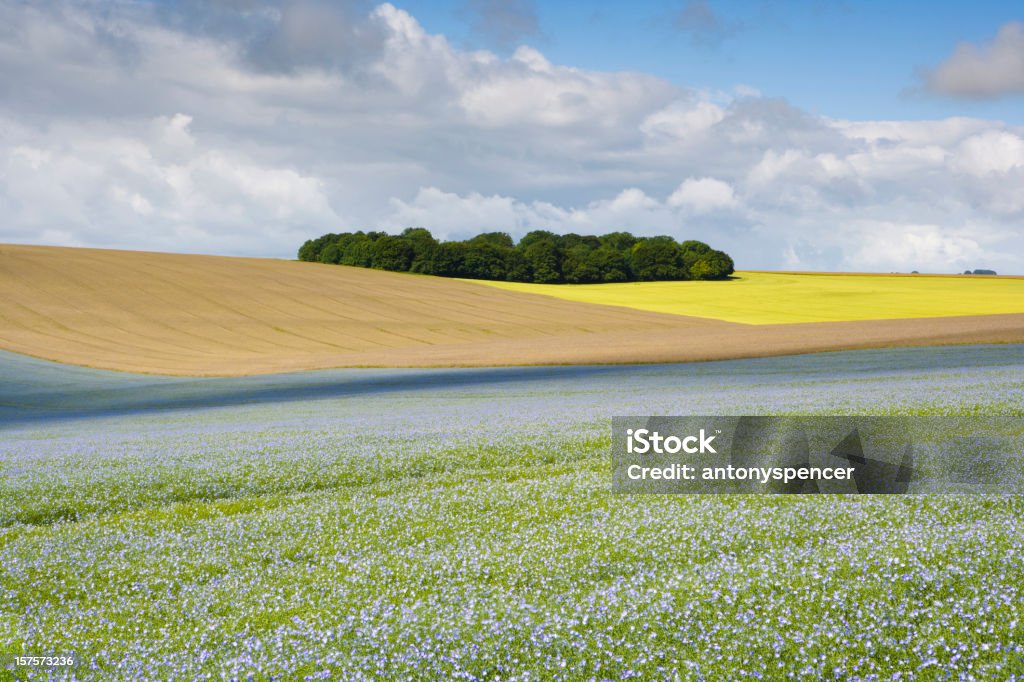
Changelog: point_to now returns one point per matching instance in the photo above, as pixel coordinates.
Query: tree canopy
(540, 256)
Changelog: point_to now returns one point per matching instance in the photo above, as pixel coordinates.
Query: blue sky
(794, 135)
(857, 60)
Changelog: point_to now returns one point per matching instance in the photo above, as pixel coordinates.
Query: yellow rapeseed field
(780, 298)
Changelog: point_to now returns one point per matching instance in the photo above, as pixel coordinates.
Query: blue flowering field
(458, 524)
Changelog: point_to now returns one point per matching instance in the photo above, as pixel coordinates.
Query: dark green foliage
(330, 254)
(618, 241)
(691, 251)
(544, 258)
(540, 256)
(393, 253)
(538, 236)
(484, 261)
(356, 249)
(657, 258)
(612, 264)
(310, 251)
(450, 259)
(424, 249)
(517, 268)
(498, 239)
(713, 265)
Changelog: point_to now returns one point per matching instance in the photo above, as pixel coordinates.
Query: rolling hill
(218, 316)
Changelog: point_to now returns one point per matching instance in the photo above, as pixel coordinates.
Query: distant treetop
(540, 256)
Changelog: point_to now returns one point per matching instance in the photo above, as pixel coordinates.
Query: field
(214, 316)
(765, 298)
(456, 523)
(180, 314)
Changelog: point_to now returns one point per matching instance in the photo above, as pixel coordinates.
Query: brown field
(208, 315)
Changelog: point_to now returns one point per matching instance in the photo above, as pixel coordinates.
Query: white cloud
(988, 71)
(632, 199)
(529, 90)
(629, 209)
(917, 133)
(131, 131)
(703, 195)
(470, 214)
(990, 152)
(774, 164)
(682, 120)
(881, 245)
(152, 192)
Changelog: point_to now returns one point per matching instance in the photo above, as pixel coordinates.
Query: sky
(798, 135)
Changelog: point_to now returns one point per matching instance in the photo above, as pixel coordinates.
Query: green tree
(612, 265)
(484, 260)
(357, 250)
(540, 256)
(578, 266)
(619, 241)
(310, 250)
(449, 259)
(713, 265)
(424, 248)
(690, 251)
(330, 254)
(537, 236)
(656, 258)
(499, 239)
(545, 261)
(573, 241)
(517, 267)
(392, 253)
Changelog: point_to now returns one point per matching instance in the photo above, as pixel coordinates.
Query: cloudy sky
(813, 135)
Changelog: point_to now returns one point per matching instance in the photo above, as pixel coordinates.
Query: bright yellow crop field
(778, 298)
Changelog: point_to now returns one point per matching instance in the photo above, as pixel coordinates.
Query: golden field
(216, 316)
(780, 298)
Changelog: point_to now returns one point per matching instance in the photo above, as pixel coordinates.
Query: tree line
(542, 257)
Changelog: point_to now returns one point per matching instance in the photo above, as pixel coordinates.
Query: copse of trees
(540, 256)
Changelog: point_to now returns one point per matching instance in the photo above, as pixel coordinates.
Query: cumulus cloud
(247, 127)
(991, 152)
(703, 195)
(882, 245)
(467, 214)
(529, 90)
(990, 70)
(682, 120)
(157, 187)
